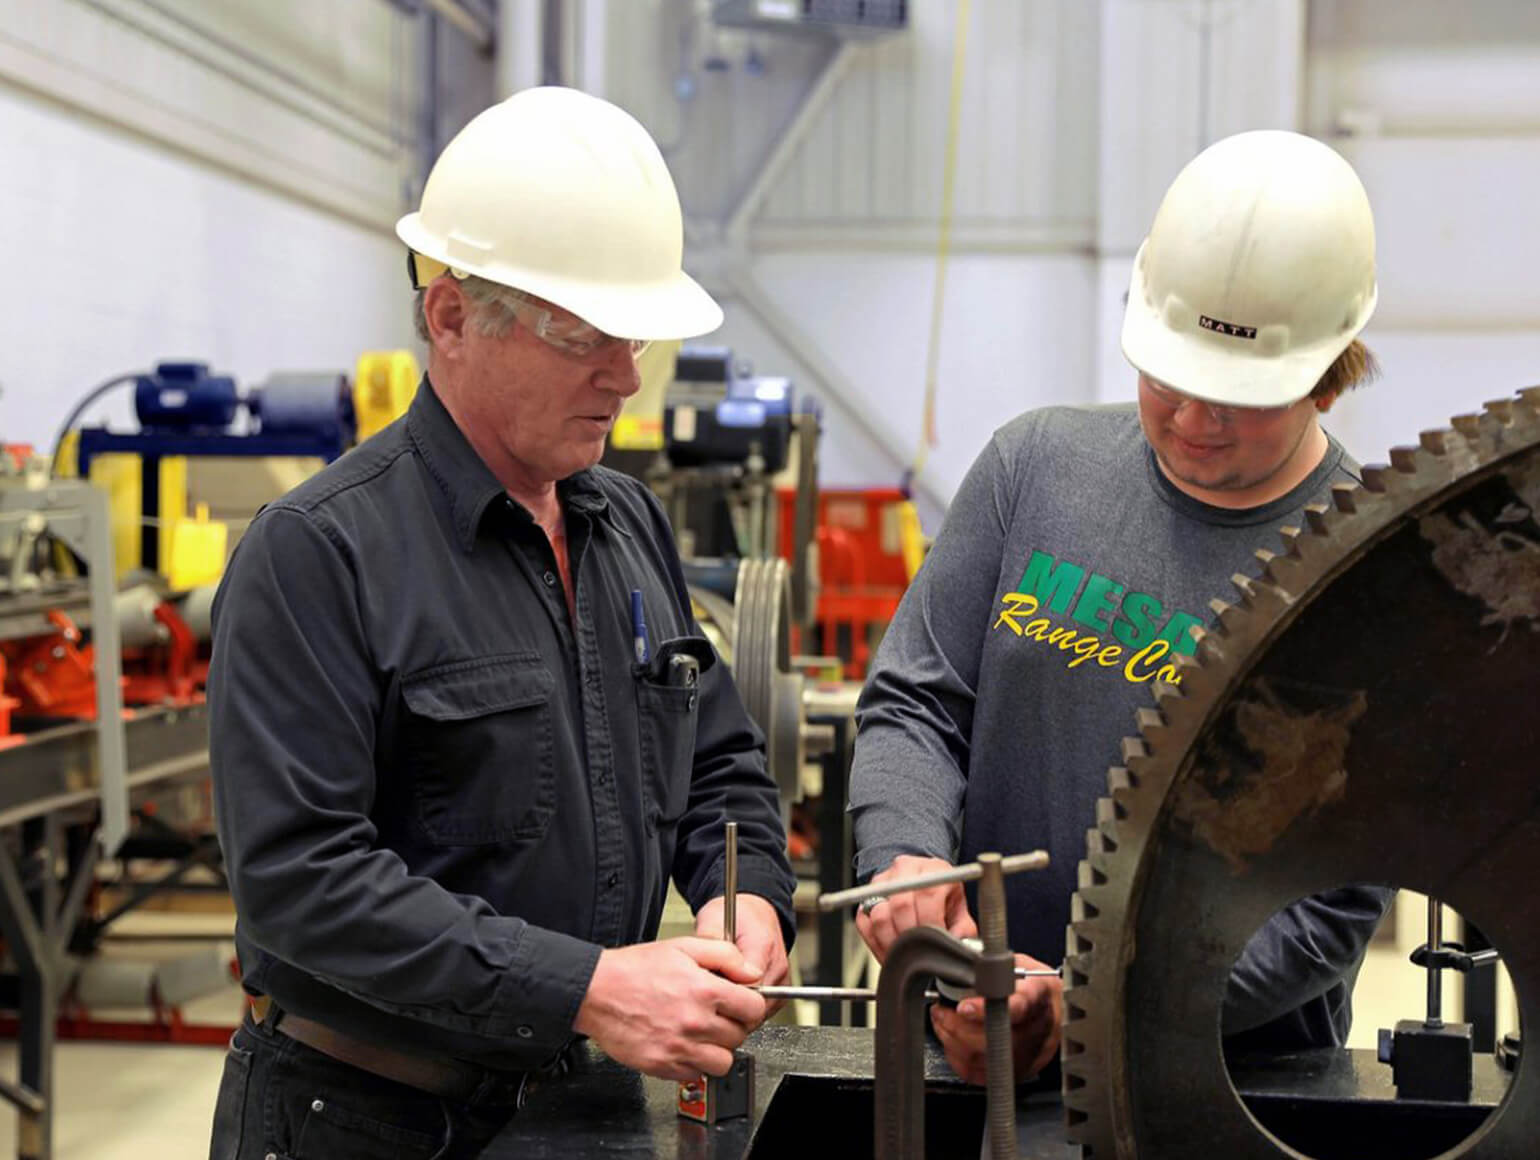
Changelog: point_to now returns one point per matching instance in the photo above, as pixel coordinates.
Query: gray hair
(491, 314)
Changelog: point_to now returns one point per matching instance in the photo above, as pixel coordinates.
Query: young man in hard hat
(1084, 545)
(464, 727)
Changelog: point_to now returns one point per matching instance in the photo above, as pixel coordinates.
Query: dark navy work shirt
(439, 795)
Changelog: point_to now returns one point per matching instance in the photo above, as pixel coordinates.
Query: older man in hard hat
(464, 727)
(1081, 549)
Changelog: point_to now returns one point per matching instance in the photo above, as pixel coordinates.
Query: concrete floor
(126, 1102)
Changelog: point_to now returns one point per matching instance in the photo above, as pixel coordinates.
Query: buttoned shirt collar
(467, 482)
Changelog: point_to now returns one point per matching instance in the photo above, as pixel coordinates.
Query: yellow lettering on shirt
(1016, 607)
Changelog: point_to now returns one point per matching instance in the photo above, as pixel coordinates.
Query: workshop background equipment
(187, 414)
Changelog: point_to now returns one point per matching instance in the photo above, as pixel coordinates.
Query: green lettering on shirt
(1100, 595)
(1139, 623)
(1053, 584)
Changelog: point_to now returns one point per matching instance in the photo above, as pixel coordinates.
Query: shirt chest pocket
(480, 750)
(668, 700)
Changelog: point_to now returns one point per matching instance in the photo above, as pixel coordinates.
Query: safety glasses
(566, 332)
(555, 327)
(1175, 399)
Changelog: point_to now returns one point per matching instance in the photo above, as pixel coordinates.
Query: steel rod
(1036, 860)
(866, 994)
(730, 893)
(1435, 975)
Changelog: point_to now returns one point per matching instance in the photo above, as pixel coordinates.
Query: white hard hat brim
(677, 307)
(1218, 368)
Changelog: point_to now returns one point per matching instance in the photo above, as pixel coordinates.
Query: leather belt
(438, 1076)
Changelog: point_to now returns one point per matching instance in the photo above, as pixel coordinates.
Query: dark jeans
(281, 1100)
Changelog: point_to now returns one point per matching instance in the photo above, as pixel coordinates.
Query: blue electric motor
(183, 396)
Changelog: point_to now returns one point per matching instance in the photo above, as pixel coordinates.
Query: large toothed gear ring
(1367, 711)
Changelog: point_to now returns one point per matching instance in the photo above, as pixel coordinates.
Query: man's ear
(1323, 402)
(447, 312)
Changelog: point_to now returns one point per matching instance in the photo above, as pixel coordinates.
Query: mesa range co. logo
(1143, 633)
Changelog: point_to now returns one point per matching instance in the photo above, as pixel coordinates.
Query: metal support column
(36, 925)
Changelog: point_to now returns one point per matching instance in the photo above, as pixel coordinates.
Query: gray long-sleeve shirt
(1067, 574)
(439, 796)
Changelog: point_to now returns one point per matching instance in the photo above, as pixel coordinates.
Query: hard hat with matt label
(1257, 273)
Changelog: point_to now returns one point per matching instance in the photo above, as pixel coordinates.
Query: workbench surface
(824, 1076)
(603, 1109)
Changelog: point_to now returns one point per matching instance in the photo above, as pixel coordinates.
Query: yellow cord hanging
(928, 437)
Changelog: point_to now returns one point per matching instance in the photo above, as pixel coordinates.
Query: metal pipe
(867, 994)
(730, 892)
(795, 134)
(1036, 860)
(478, 31)
(552, 39)
(427, 132)
(1435, 974)
(477, 25)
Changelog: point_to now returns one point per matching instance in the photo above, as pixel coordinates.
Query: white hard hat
(565, 196)
(1258, 272)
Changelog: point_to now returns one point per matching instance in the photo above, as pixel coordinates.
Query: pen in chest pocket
(638, 628)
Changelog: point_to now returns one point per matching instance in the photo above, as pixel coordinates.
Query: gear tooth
(1245, 585)
(1192, 680)
(1100, 842)
(1196, 681)
(1404, 459)
(1108, 814)
(1291, 538)
(1317, 520)
(1437, 441)
(1283, 571)
(1344, 496)
(1467, 425)
(1082, 909)
(1376, 477)
(1502, 408)
(1077, 953)
(1088, 877)
(1183, 661)
(1268, 600)
(1119, 780)
(1227, 617)
(1210, 650)
(1531, 397)
(1152, 727)
(1134, 748)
